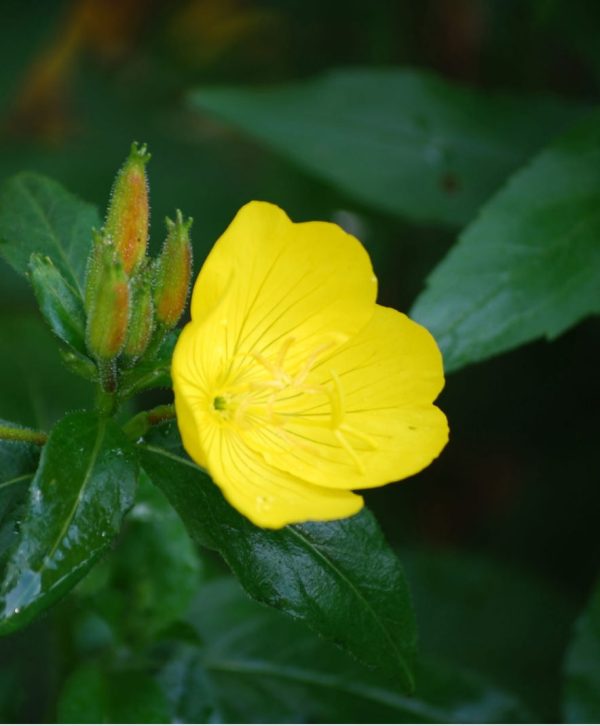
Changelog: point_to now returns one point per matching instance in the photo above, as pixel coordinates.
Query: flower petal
(187, 386)
(267, 496)
(274, 281)
(384, 380)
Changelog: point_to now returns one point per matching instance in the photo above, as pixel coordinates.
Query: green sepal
(59, 302)
(79, 364)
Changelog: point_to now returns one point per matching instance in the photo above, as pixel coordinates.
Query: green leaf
(83, 486)
(61, 305)
(91, 695)
(18, 464)
(255, 665)
(529, 265)
(505, 624)
(35, 387)
(581, 703)
(155, 571)
(38, 215)
(402, 141)
(339, 577)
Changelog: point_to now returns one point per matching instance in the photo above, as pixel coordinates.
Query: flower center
(269, 393)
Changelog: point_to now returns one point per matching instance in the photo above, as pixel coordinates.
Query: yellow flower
(292, 386)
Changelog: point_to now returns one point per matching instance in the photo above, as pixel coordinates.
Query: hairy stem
(15, 433)
(142, 422)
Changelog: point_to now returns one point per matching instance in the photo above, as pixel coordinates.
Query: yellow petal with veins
(366, 415)
(292, 386)
(269, 497)
(272, 279)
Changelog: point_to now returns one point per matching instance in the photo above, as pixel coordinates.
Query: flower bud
(141, 319)
(108, 312)
(128, 210)
(173, 270)
(103, 252)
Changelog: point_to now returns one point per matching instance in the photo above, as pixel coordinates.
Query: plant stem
(15, 433)
(108, 375)
(142, 422)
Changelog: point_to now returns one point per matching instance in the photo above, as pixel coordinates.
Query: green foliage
(18, 464)
(75, 507)
(157, 571)
(582, 667)
(38, 215)
(502, 623)
(60, 305)
(93, 696)
(35, 386)
(310, 571)
(94, 517)
(529, 265)
(401, 141)
(256, 662)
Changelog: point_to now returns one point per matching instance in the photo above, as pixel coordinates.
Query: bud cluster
(131, 300)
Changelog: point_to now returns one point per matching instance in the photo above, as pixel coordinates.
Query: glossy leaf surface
(18, 464)
(83, 486)
(339, 577)
(402, 141)
(39, 215)
(529, 265)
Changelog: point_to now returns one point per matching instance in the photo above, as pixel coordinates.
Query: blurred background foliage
(499, 537)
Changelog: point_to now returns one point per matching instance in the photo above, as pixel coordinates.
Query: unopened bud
(103, 252)
(141, 319)
(128, 210)
(173, 272)
(108, 312)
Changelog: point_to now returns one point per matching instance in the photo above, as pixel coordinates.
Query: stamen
(364, 438)
(337, 401)
(348, 447)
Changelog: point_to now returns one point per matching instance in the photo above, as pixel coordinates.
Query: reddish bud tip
(127, 218)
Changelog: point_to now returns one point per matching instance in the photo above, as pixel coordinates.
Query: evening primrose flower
(292, 386)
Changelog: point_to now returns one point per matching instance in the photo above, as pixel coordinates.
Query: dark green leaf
(92, 695)
(60, 304)
(505, 624)
(155, 569)
(529, 265)
(35, 386)
(38, 215)
(582, 667)
(256, 665)
(18, 463)
(83, 486)
(339, 577)
(403, 141)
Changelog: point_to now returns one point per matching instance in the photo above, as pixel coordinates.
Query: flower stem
(15, 433)
(142, 422)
